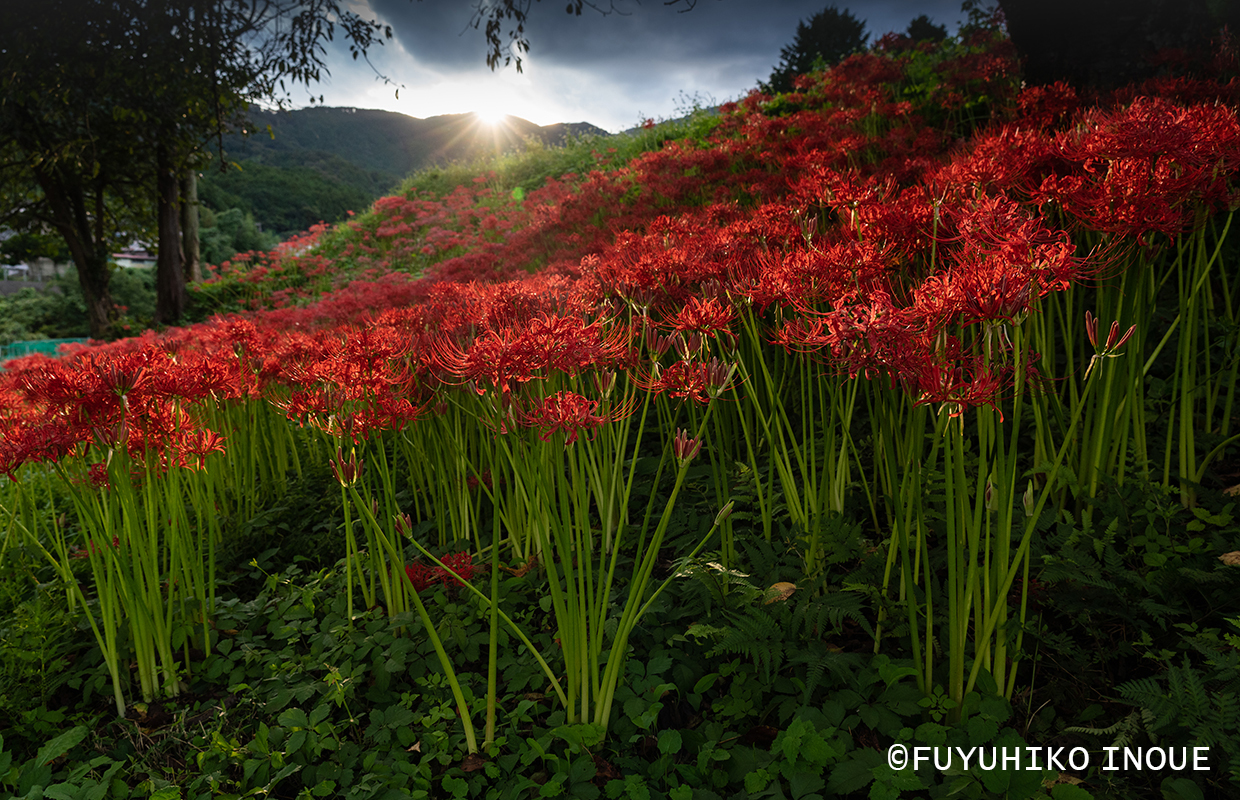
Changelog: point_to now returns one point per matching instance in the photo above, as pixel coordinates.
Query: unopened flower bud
(686, 449)
(719, 376)
(347, 471)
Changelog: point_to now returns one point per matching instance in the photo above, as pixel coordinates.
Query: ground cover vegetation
(894, 410)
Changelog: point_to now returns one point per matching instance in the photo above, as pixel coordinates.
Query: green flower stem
(471, 742)
(993, 613)
(634, 608)
(495, 609)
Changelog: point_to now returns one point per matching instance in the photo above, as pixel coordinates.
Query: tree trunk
(169, 269)
(189, 226)
(84, 236)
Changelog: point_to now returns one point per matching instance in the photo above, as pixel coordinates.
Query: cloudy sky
(646, 59)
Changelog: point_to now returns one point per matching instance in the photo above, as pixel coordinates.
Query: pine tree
(822, 41)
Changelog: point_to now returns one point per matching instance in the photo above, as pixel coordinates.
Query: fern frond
(833, 608)
(755, 635)
(823, 659)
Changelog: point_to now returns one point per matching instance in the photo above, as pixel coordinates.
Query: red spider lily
(1046, 106)
(955, 386)
(421, 576)
(709, 317)
(656, 344)
(567, 412)
(683, 379)
(424, 576)
(1147, 167)
(687, 344)
(196, 446)
(97, 475)
(548, 344)
(719, 376)
(121, 379)
(90, 550)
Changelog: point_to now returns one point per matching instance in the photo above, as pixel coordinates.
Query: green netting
(46, 346)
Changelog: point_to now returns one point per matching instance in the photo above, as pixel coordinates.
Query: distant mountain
(299, 167)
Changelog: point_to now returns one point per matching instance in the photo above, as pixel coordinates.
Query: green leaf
(167, 793)
(804, 782)
(635, 788)
(705, 682)
(980, 729)
(756, 781)
(295, 741)
(669, 742)
(933, 733)
(1179, 789)
(855, 773)
(1024, 783)
(582, 734)
(319, 714)
(582, 770)
(891, 673)
(293, 718)
(681, 792)
(60, 745)
(1066, 791)
(657, 666)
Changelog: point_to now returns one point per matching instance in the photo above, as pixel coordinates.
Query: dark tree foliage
(825, 39)
(1107, 43)
(289, 199)
(74, 159)
(923, 29)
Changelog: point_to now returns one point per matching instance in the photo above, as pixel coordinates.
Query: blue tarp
(45, 346)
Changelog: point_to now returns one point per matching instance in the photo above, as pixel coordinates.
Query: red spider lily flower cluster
(424, 576)
(566, 412)
(852, 228)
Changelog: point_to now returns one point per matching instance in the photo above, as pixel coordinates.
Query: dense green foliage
(227, 233)
(287, 200)
(57, 310)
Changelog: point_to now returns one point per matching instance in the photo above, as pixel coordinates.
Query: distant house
(134, 256)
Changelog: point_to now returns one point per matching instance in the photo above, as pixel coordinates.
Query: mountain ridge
(391, 142)
(293, 169)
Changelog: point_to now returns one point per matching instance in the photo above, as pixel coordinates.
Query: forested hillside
(291, 170)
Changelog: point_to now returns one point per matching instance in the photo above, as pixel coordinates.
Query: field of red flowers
(961, 355)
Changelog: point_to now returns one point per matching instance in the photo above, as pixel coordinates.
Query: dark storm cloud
(643, 60)
(713, 36)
